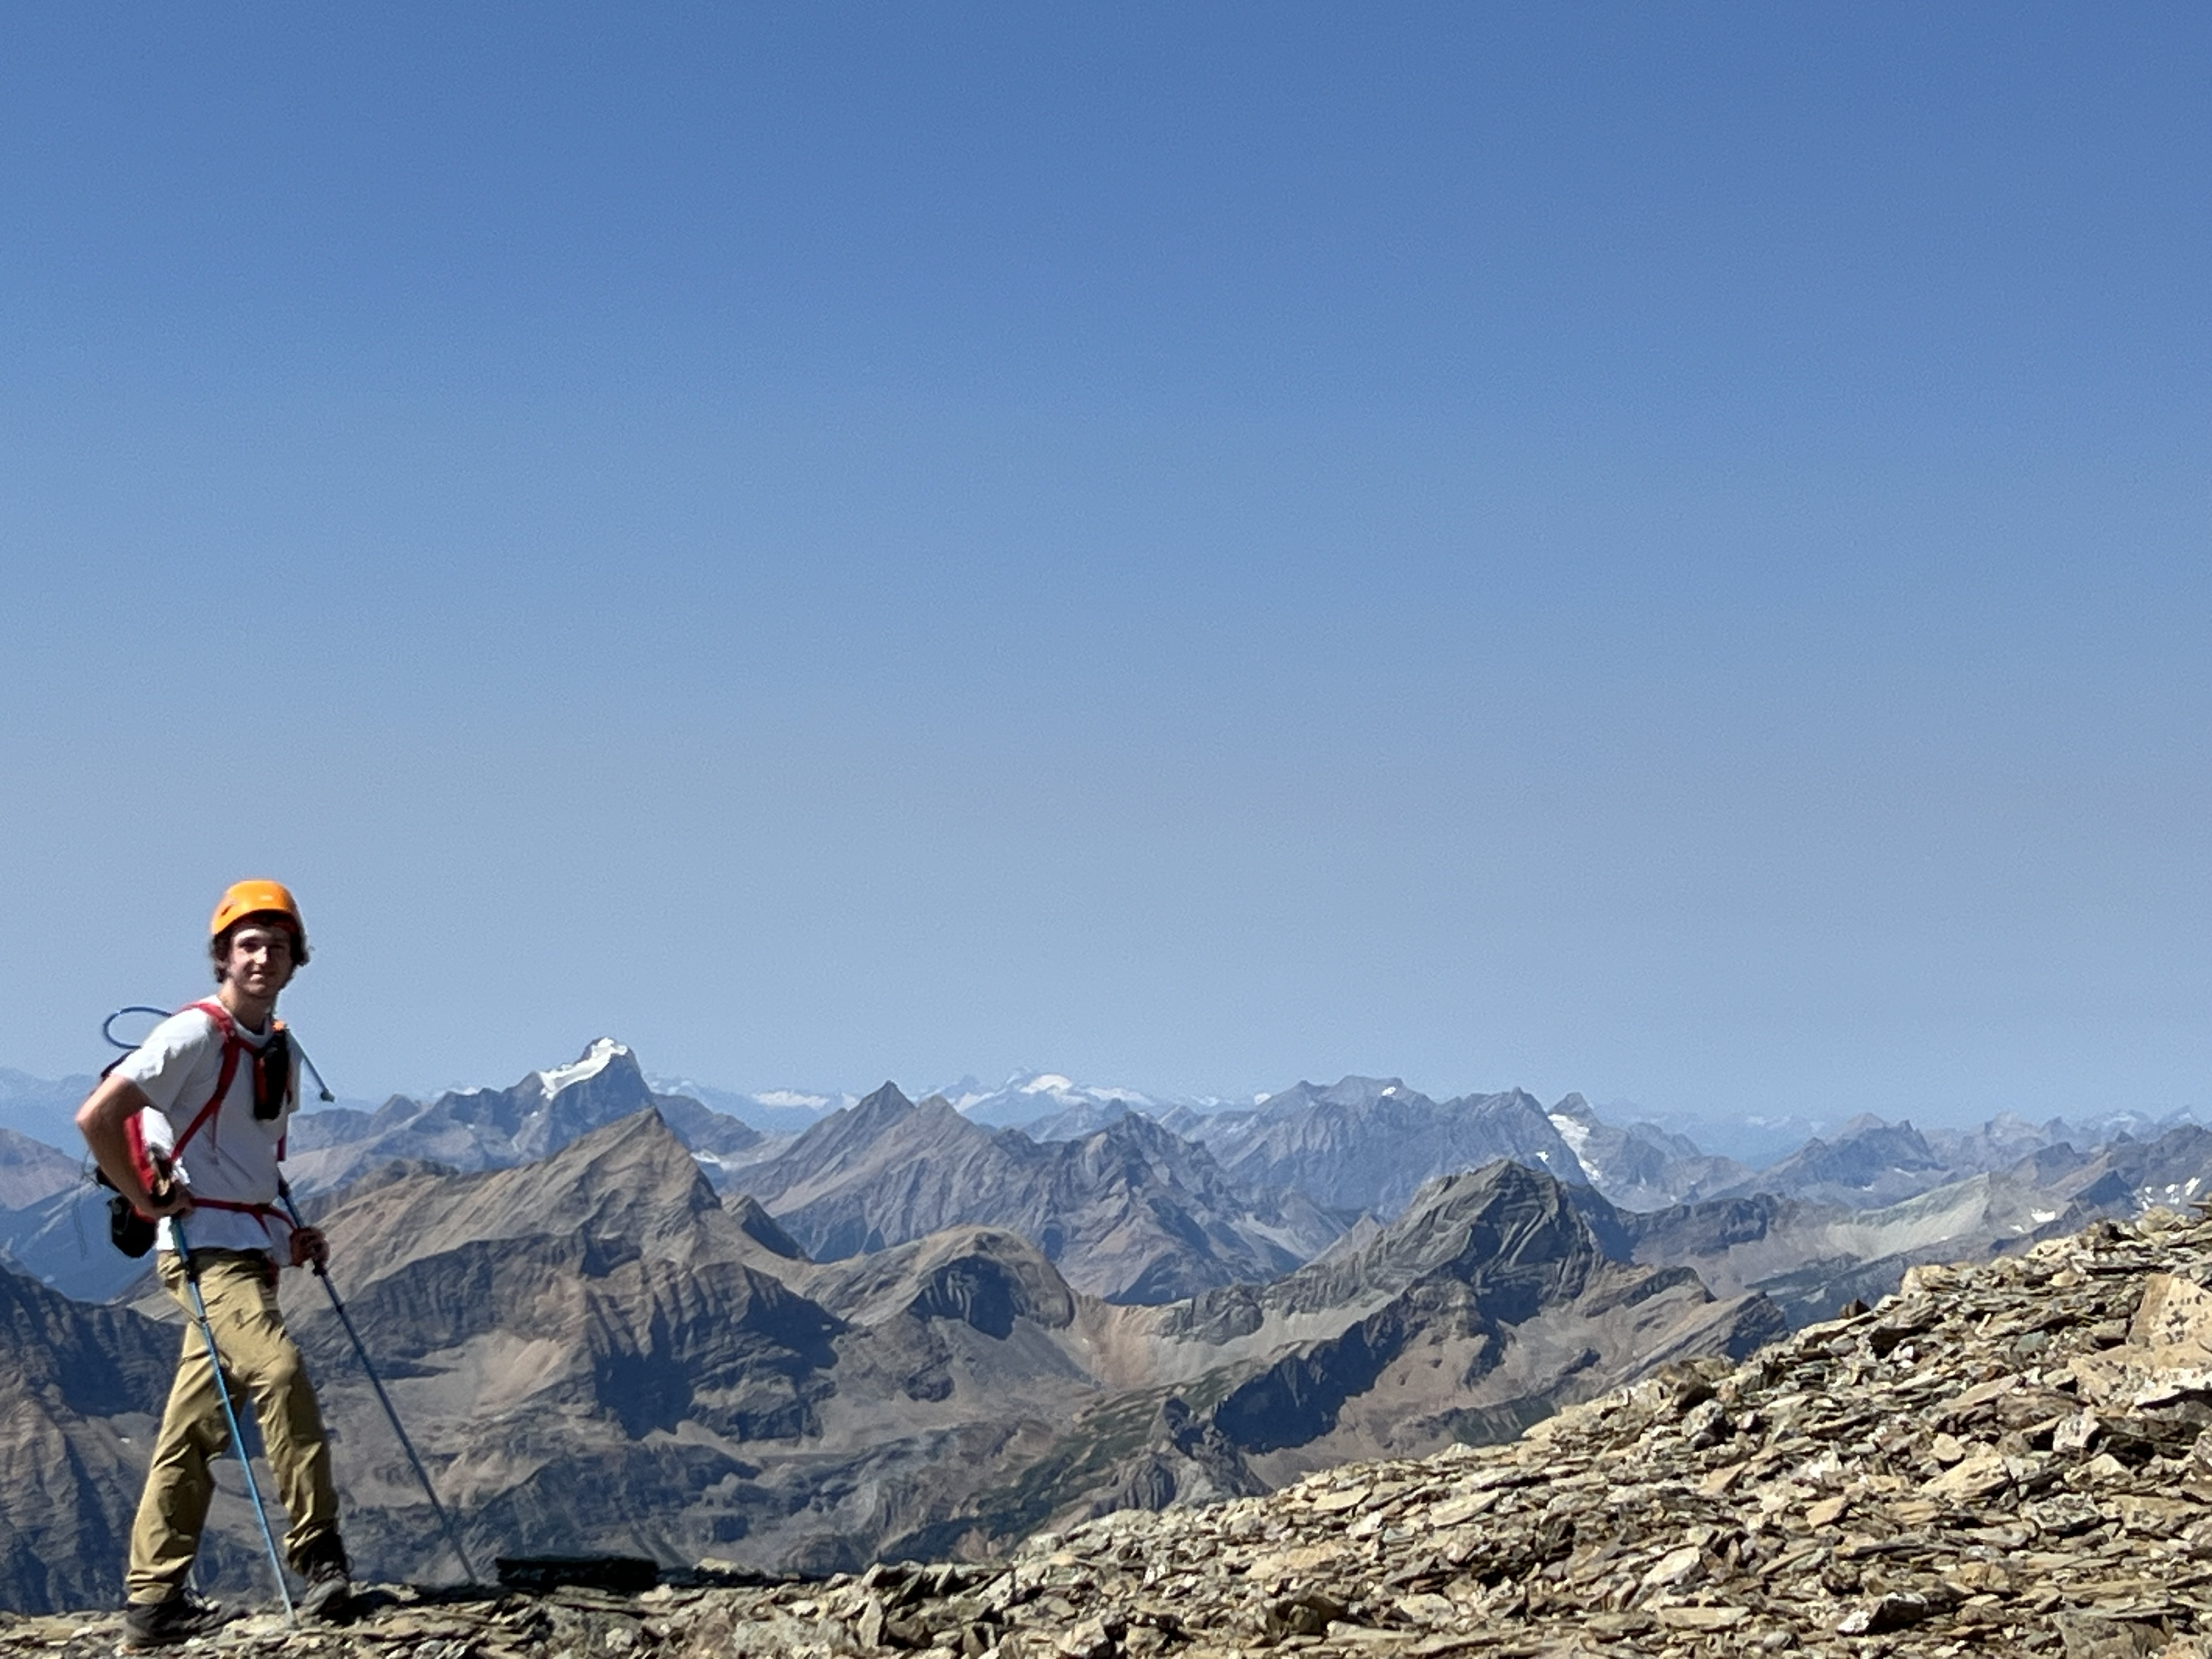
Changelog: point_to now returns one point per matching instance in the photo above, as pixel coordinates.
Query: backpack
(128, 1230)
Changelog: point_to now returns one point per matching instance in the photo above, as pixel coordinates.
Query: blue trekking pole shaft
(361, 1352)
(230, 1413)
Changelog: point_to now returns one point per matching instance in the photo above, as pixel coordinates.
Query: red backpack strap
(134, 1137)
(233, 1046)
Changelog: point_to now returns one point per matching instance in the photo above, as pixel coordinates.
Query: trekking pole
(230, 1414)
(361, 1351)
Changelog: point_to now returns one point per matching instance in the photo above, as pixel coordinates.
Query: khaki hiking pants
(264, 1369)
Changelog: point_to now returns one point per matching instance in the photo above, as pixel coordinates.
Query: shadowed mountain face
(1130, 1212)
(80, 1388)
(1488, 1304)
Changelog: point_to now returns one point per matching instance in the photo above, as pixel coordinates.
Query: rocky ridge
(1368, 1143)
(1130, 1212)
(496, 1128)
(2012, 1457)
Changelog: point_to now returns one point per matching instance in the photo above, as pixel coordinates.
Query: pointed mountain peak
(1504, 1218)
(630, 1182)
(633, 1158)
(885, 1105)
(599, 1055)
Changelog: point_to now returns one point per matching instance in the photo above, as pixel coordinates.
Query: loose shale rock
(2006, 1458)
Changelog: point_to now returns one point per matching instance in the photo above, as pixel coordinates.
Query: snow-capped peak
(1028, 1096)
(589, 1064)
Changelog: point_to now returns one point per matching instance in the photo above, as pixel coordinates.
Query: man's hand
(166, 1199)
(309, 1244)
(102, 1120)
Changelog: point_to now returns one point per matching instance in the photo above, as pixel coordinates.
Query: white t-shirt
(234, 1156)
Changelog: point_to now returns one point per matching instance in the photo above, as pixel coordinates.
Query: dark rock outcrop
(77, 1385)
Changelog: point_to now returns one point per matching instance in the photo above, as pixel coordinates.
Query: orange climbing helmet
(242, 899)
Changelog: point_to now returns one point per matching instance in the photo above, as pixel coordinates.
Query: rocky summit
(2012, 1457)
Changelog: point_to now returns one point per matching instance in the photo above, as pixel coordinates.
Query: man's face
(260, 960)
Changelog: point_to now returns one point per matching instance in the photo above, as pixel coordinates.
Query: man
(189, 1128)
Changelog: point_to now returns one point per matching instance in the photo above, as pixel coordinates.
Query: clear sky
(1656, 551)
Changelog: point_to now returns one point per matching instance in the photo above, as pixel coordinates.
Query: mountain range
(1155, 1200)
(489, 1129)
(1130, 1211)
(617, 1317)
(598, 1350)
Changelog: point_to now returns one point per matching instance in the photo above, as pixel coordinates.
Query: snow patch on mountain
(603, 1052)
(1027, 1096)
(1577, 1134)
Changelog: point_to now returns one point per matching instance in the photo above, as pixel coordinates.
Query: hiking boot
(323, 1563)
(163, 1624)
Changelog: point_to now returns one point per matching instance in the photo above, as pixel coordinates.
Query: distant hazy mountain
(1368, 1143)
(1753, 1140)
(772, 1111)
(1811, 1256)
(1087, 1117)
(31, 1169)
(489, 1129)
(1027, 1097)
(1129, 1212)
(45, 1109)
(1869, 1163)
(1639, 1166)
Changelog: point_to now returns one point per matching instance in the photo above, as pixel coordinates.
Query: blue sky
(1653, 551)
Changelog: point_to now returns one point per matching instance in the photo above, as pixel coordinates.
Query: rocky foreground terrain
(2012, 1457)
